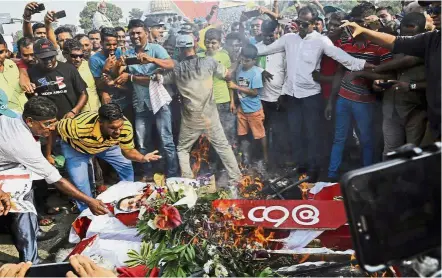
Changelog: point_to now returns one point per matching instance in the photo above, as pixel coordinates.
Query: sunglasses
(75, 56)
(433, 10)
(302, 24)
(48, 124)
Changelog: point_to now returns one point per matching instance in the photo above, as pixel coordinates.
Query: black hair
(78, 37)
(2, 41)
(234, 36)
(63, 29)
(308, 10)
(180, 17)
(387, 8)
(71, 44)
(363, 10)
(37, 25)
(169, 19)
(339, 16)
(108, 32)
(320, 19)
(416, 19)
(41, 107)
(93, 32)
(110, 112)
(249, 51)
(23, 42)
(213, 34)
(118, 29)
(134, 23)
(269, 26)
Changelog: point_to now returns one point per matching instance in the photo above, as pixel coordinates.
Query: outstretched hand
(357, 30)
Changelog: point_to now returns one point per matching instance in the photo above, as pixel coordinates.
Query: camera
(394, 208)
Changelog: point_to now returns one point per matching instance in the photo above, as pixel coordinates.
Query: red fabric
(328, 68)
(81, 225)
(79, 248)
(20, 64)
(138, 271)
(327, 193)
(194, 9)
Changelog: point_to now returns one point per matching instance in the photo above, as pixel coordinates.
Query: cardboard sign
(288, 214)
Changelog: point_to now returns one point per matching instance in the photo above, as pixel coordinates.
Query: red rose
(168, 218)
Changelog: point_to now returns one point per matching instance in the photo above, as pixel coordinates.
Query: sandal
(53, 210)
(45, 221)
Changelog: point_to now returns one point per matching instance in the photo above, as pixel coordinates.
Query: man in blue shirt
(104, 64)
(152, 57)
(250, 112)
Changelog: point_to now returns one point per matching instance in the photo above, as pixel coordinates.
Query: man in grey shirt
(18, 145)
(194, 79)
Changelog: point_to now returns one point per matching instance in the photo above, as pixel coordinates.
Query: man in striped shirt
(355, 97)
(107, 135)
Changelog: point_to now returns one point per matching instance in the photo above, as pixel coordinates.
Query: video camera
(394, 210)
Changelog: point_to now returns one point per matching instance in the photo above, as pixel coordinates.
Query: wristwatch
(412, 86)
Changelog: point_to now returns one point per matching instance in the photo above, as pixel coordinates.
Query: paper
(18, 182)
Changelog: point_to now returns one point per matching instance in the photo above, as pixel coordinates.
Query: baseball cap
(149, 22)
(331, 9)
(186, 29)
(43, 48)
(184, 41)
(4, 106)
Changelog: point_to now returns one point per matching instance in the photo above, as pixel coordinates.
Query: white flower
(142, 212)
(151, 224)
(208, 266)
(206, 276)
(211, 250)
(221, 271)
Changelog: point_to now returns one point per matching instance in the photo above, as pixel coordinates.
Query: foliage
(18, 35)
(135, 13)
(114, 13)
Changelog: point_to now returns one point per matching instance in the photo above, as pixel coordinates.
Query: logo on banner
(305, 215)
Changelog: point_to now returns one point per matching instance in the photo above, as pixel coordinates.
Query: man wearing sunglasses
(18, 145)
(426, 46)
(304, 102)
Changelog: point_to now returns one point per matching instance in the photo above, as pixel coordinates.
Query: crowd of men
(292, 90)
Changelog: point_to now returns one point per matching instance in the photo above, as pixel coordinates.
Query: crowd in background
(305, 91)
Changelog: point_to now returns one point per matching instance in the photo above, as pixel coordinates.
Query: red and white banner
(289, 214)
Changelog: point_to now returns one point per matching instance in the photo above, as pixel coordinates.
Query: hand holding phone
(251, 14)
(132, 61)
(60, 14)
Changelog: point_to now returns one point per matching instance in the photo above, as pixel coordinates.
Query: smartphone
(132, 61)
(386, 85)
(41, 7)
(251, 14)
(50, 270)
(60, 14)
(394, 209)
(348, 31)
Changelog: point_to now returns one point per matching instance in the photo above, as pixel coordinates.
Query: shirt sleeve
(161, 53)
(169, 77)
(78, 83)
(341, 56)
(67, 128)
(413, 46)
(95, 66)
(127, 142)
(277, 46)
(257, 80)
(384, 55)
(27, 152)
(21, 64)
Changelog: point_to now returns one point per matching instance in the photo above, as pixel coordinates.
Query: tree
(18, 35)
(135, 13)
(114, 13)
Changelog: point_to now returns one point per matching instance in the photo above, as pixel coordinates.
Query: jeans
(363, 115)
(23, 228)
(306, 114)
(77, 167)
(144, 139)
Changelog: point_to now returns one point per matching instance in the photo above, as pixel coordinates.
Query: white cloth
(276, 65)
(100, 20)
(303, 57)
(17, 145)
(158, 95)
(319, 186)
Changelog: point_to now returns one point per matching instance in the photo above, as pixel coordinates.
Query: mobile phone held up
(251, 14)
(60, 14)
(50, 270)
(394, 207)
(41, 7)
(132, 61)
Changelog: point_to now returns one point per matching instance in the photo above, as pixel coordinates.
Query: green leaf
(267, 272)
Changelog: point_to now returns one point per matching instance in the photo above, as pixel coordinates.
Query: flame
(304, 187)
(200, 153)
(249, 187)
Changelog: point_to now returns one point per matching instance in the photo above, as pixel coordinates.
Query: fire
(200, 153)
(304, 187)
(249, 187)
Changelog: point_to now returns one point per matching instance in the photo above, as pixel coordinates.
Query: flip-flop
(46, 221)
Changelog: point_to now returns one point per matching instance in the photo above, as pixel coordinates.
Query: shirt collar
(96, 132)
(191, 57)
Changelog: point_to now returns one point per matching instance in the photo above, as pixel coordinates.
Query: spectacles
(48, 124)
(302, 24)
(433, 10)
(75, 56)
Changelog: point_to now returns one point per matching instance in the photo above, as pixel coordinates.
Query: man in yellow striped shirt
(107, 135)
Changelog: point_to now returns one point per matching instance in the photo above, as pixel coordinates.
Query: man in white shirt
(275, 120)
(100, 19)
(18, 145)
(305, 104)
